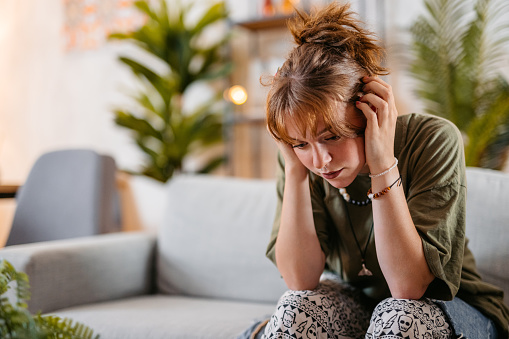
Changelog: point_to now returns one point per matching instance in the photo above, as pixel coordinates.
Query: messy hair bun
(323, 73)
(336, 27)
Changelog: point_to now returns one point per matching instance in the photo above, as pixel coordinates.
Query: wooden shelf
(8, 191)
(265, 23)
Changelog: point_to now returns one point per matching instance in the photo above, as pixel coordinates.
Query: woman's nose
(321, 157)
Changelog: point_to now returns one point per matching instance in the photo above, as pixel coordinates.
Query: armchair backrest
(68, 194)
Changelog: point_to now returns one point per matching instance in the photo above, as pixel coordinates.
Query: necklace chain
(364, 271)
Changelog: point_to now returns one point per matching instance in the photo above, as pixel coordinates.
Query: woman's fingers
(288, 153)
(368, 79)
(379, 97)
(374, 107)
(369, 113)
(378, 87)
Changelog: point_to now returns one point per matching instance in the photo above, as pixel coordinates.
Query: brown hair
(323, 72)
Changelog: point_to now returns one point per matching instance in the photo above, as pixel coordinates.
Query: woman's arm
(299, 256)
(398, 244)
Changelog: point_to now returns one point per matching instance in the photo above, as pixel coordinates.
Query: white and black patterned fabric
(404, 318)
(335, 310)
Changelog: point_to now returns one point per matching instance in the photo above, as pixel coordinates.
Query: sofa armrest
(67, 273)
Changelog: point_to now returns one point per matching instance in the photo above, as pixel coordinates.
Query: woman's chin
(339, 182)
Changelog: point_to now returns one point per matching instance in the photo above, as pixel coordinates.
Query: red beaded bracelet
(384, 191)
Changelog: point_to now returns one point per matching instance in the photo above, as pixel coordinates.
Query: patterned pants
(334, 310)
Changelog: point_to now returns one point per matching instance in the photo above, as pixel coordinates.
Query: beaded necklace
(346, 197)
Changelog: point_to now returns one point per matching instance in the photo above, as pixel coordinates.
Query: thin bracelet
(386, 171)
(384, 191)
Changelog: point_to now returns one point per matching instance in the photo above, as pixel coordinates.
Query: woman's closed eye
(333, 138)
(299, 145)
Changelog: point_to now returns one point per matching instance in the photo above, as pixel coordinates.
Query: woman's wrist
(380, 183)
(296, 171)
(382, 167)
(384, 172)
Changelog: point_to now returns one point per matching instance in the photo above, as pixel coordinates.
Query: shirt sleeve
(320, 215)
(436, 197)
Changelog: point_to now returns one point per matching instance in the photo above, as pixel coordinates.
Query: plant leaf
(483, 130)
(456, 50)
(140, 126)
(215, 13)
(160, 128)
(213, 164)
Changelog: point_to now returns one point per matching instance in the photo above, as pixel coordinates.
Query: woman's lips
(331, 175)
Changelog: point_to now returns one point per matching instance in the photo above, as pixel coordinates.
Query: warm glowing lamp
(237, 94)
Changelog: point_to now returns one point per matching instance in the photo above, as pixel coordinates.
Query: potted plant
(17, 323)
(457, 47)
(160, 125)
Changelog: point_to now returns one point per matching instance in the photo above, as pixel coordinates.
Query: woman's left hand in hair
(379, 107)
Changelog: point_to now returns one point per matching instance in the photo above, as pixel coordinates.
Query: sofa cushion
(148, 196)
(162, 317)
(213, 239)
(487, 224)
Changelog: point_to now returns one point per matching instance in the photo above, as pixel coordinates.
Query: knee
(391, 313)
(410, 318)
(297, 298)
(290, 315)
(400, 305)
(322, 292)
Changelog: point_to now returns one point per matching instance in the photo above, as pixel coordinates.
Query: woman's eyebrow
(323, 131)
(297, 141)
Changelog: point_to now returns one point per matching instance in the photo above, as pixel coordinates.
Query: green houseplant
(161, 127)
(17, 322)
(457, 47)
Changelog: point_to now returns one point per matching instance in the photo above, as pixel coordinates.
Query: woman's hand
(379, 107)
(292, 162)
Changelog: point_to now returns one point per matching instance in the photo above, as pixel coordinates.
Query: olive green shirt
(432, 168)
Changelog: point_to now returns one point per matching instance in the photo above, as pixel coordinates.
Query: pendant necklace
(364, 271)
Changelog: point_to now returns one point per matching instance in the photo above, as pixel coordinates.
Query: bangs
(284, 109)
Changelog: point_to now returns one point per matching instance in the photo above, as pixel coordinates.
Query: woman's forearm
(398, 244)
(299, 256)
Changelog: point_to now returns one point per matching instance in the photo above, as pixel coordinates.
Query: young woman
(396, 257)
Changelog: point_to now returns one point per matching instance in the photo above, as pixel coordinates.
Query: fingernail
(357, 103)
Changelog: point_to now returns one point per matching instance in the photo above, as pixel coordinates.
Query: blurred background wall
(60, 79)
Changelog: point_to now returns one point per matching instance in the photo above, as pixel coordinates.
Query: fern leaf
(483, 130)
(457, 48)
(64, 328)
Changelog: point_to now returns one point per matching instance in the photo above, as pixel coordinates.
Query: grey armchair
(68, 194)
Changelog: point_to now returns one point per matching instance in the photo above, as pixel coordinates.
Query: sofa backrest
(488, 224)
(213, 239)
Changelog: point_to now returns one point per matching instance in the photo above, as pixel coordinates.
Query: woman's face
(338, 160)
